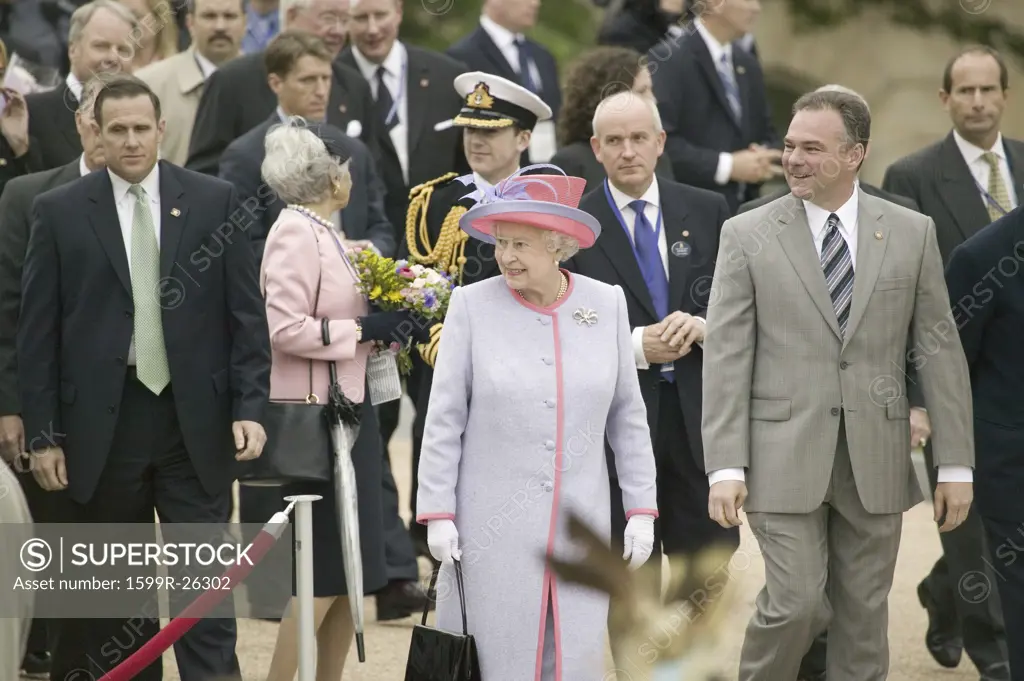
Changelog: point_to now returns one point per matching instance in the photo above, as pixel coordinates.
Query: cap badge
(480, 98)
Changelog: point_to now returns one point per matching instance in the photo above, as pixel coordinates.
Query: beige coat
(17, 617)
(178, 82)
(778, 375)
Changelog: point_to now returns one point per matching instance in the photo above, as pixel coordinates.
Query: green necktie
(150, 352)
(996, 188)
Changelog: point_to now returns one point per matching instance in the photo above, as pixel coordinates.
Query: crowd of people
(669, 315)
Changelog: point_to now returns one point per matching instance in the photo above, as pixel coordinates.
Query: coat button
(549, 361)
(844, 364)
(547, 486)
(550, 403)
(128, 313)
(110, 409)
(835, 411)
(549, 445)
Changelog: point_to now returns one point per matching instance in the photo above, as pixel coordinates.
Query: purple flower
(429, 300)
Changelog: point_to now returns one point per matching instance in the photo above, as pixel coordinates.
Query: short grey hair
(284, 6)
(297, 166)
(834, 87)
(83, 15)
(90, 89)
(851, 108)
(562, 245)
(620, 100)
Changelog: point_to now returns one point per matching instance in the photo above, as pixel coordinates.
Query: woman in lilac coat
(534, 370)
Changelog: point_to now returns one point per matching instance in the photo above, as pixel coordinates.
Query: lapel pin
(424, 82)
(686, 232)
(681, 249)
(175, 212)
(878, 235)
(740, 70)
(342, 108)
(585, 316)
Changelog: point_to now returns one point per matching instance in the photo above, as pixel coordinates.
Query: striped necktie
(838, 267)
(996, 188)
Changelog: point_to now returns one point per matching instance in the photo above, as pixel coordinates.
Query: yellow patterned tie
(150, 352)
(996, 188)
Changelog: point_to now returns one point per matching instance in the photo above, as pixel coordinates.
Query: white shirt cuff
(950, 473)
(638, 349)
(705, 323)
(724, 168)
(726, 474)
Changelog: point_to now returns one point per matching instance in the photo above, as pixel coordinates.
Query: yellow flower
(375, 292)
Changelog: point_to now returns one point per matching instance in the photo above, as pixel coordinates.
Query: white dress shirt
(717, 49)
(543, 141)
(125, 203)
(981, 170)
(817, 219)
(396, 80)
(82, 168)
(206, 67)
(75, 86)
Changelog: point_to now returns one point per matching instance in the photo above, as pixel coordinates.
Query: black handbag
(436, 655)
(298, 446)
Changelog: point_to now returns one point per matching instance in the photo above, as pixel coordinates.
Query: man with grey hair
(102, 39)
(816, 422)
(658, 242)
(15, 225)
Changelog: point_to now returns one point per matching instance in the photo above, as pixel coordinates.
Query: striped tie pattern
(838, 267)
(996, 188)
(732, 88)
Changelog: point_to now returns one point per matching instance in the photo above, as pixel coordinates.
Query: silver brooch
(585, 316)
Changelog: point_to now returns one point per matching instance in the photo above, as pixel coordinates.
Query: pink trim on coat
(549, 578)
(641, 511)
(426, 517)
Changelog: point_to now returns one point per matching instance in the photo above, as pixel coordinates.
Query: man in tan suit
(217, 28)
(813, 307)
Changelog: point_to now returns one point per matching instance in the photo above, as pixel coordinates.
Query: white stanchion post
(304, 583)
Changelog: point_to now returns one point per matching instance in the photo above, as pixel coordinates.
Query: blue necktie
(732, 88)
(524, 67)
(646, 241)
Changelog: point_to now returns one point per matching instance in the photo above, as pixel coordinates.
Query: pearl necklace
(311, 215)
(561, 289)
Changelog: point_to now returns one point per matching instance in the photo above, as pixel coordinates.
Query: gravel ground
(387, 644)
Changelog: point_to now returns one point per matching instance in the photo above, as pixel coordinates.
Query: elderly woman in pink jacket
(306, 277)
(534, 370)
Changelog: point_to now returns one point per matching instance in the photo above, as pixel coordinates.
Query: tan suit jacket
(778, 374)
(178, 82)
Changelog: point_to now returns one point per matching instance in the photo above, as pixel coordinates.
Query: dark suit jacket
(15, 225)
(12, 166)
(236, 98)
(53, 137)
(577, 159)
(685, 209)
(76, 323)
(868, 189)
(431, 99)
(987, 297)
(696, 115)
(635, 29)
(938, 180)
(362, 218)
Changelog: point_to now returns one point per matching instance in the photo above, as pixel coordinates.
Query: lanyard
(401, 92)
(989, 198)
(622, 221)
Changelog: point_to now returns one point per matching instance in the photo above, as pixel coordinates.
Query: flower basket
(382, 376)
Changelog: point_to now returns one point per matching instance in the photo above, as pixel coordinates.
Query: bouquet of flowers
(393, 285)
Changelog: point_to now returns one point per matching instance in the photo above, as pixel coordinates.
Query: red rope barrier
(203, 604)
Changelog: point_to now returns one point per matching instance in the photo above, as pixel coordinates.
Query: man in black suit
(497, 46)
(15, 226)
(139, 413)
(659, 241)
(237, 98)
(712, 99)
(417, 95)
(299, 68)
(987, 297)
(100, 40)
(964, 182)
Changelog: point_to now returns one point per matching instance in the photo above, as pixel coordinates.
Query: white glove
(638, 540)
(443, 540)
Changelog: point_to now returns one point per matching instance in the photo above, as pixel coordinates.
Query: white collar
(393, 63)
(151, 183)
(716, 48)
(83, 169)
(74, 85)
(817, 217)
(972, 152)
(206, 66)
(501, 36)
(481, 183)
(652, 196)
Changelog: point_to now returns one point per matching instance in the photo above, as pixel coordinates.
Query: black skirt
(328, 565)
